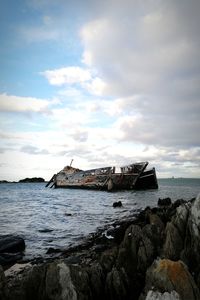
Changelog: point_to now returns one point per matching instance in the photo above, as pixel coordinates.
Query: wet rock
(53, 250)
(68, 215)
(167, 276)
(7, 259)
(117, 204)
(11, 249)
(11, 244)
(45, 230)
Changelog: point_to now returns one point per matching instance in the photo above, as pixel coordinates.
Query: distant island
(33, 179)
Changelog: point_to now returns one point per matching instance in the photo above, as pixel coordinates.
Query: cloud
(68, 75)
(11, 103)
(80, 135)
(33, 150)
(150, 61)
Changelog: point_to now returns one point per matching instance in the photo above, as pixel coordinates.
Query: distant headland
(32, 179)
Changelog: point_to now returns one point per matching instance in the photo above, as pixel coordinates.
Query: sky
(104, 83)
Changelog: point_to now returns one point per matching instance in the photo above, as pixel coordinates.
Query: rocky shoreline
(154, 255)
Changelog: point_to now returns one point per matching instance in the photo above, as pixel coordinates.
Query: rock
(17, 268)
(45, 230)
(11, 249)
(67, 214)
(154, 295)
(67, 282)
(114, 262)
(7, 259)
(145, 254)
(175, 233)
(97, 281)
(59, 282)
(27, 284)
(127, 255)
(164, 202)
(167, 276)
(108, 259)
(11, 244)
(191, 250)
(53, 250)
(173, 242)
(117, 284)
(117, 204)
(155, 220)
(2, 284)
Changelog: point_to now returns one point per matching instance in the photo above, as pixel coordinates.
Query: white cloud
(68, 75)
(96, 87)
(11, 103)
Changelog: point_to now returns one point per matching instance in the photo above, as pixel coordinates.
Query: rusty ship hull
(129, 177)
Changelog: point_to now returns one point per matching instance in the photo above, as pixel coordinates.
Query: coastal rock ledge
(153, 256)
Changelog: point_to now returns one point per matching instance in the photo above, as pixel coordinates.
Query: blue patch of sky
(25, 122)
(22, 61)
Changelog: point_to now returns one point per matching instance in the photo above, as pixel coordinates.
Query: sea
(60, 218)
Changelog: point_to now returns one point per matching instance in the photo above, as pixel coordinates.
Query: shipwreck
(134, 176)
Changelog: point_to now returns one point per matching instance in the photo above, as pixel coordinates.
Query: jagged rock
(66, 282)
(108, 259)
(127, 255)
(167, 276)
(117, 284)
(164, 202)
(155, 220)
(173, 242)
(191, 250)
(145, 254)
(97, 281)
(175, 233)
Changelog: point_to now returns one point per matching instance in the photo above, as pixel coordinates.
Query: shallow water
(60, 217)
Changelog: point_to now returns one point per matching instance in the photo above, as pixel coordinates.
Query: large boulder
(169, 276)
(11, 249)
(11, 244)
